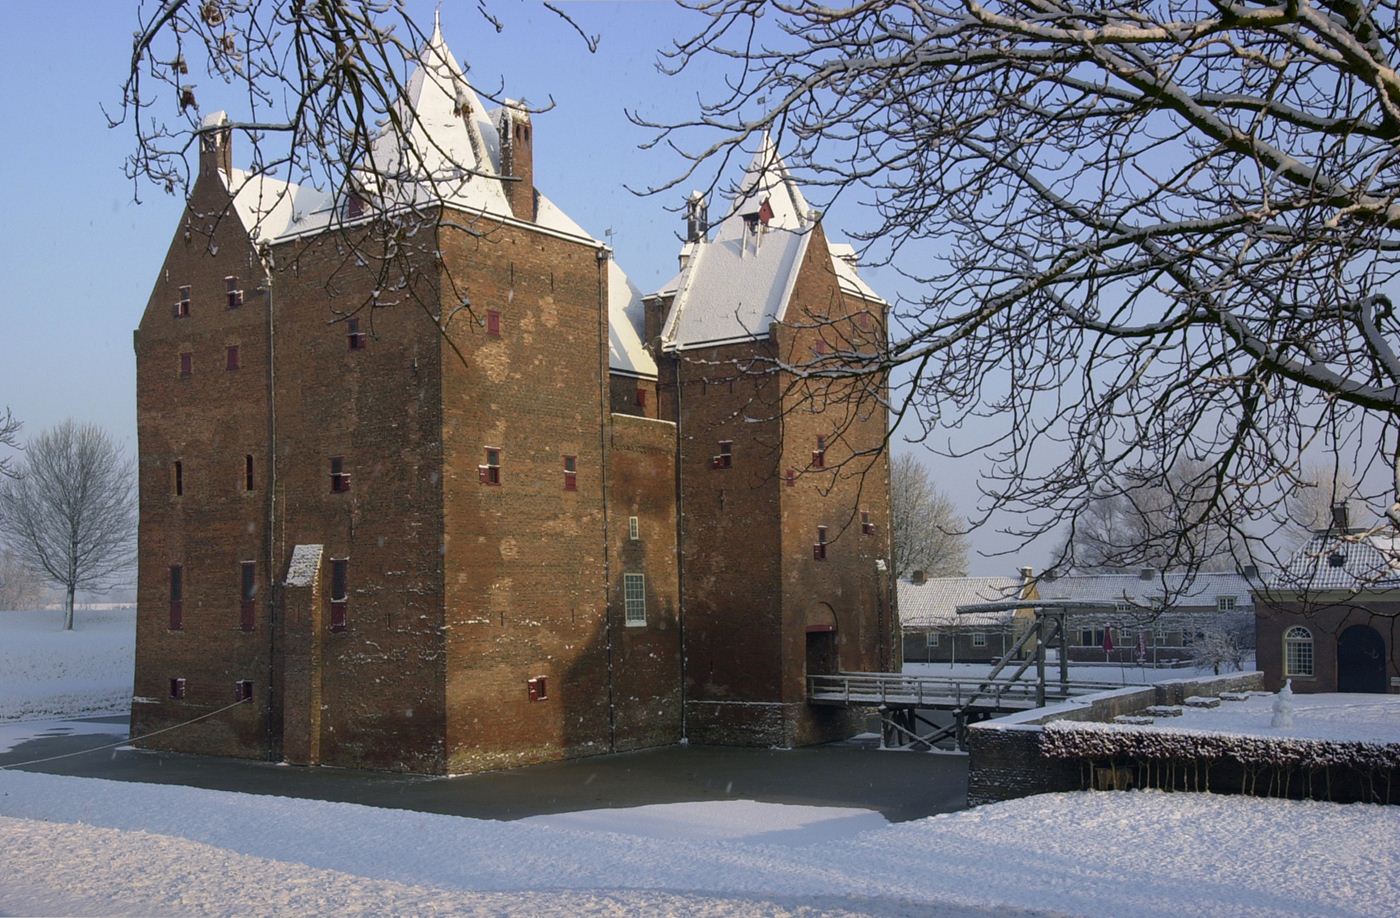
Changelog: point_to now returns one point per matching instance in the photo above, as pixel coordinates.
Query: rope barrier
(129, 740)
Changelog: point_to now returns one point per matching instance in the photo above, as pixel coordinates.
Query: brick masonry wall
(208, 421)
(1325, 618)
(845, 587)
(646, 658)
(379, 409)
(526, 594)
(623, 395)
(730, 546)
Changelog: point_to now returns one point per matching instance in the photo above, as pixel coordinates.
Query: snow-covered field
(82, 846)
(1361, 718)
(46, 672)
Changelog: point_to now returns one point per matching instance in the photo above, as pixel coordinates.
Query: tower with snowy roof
(411, 513)
(784, 488)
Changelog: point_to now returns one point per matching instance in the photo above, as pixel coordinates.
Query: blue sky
(81, 254)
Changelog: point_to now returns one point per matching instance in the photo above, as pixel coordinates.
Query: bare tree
(20, 587)
(9, 438)
(926, 535)
(1148, 520)
(1140, 234)
(1222, 645)
(1310, 508)
(71, 513)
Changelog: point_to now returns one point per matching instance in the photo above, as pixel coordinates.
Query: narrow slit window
(641, 400)
(340, 590)
(186, 364)
(248, 594)
(790, 477)
(248, 472)
(725, 459)
(537, 688)
(570, 473)
(866, 526)
(243, 690)
(232, 363)
(177, 597)
(819, 454)
(493, 323)
(489, 472)
(819, 549)
(354, 336)
(177, 688)
(340, 479)
(634, 597)
(232, 292)
(633, 529)
(182, 305)
(179, 478)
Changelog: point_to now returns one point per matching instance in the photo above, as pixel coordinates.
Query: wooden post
(1064, 653)
(1039, 659)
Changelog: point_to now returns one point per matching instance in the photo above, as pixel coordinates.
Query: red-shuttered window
(340, 592)
(819, 454)
(493, 323)
(570, 473)
(232, 292)
(354, 336)
(819, 549)
(340, 479)
(489, 472)
(182, 305)
(186, 364)
(232, 361)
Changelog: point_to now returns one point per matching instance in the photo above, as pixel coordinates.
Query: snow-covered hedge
(1096, 741)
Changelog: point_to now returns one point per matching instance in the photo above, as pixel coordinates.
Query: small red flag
(765, 212)
(1108, 640)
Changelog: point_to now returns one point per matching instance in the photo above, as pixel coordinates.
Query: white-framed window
(1224, 603)
(633, 531)
(1121, 606)
(979, 639)
(634, 597)
(1297, 651)
(931, 639)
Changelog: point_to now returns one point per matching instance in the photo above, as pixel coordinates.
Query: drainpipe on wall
(274, 621)
(604, 428)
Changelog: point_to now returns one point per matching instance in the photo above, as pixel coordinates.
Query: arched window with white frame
(1297, 651)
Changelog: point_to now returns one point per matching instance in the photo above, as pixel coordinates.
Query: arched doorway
(821, 640)
(1361, 660)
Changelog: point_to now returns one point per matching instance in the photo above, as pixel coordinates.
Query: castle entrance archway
(821, 640)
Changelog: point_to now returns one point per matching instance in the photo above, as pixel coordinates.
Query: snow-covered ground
(82, 846)
(46, 672)
(1079, 672)
(1361, 718)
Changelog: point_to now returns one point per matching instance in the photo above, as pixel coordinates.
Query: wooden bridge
(900, 698)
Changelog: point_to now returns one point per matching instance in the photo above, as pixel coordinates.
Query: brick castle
(481, 503)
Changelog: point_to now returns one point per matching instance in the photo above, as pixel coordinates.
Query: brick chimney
(918, 578)
(1341, 517)
(697, 218)
(518, 159)
(215, 145)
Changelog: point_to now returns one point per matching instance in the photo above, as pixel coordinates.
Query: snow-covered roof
(625, 327)
(934, 603)
(446, 149)
(1368, 562)
(1203, 590)
(736, 285)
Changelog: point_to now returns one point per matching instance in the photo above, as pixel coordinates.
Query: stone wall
(1004, 760)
